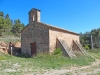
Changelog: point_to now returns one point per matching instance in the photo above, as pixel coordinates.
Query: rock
(17, 44)
(3, 44)
(3, 47)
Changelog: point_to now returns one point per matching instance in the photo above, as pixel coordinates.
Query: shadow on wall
(78, 49)
(16, 51)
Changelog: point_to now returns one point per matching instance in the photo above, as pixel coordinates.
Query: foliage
(2, 57)
(85, 38)
(57, 52)
(17, 27)
(86, 47)
(8, 26)
(1, 14)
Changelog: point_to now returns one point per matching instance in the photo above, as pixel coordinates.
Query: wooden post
(10, 47)
(99, 44)
(91, 42)
(11, 51)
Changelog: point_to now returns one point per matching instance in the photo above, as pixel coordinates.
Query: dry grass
(11, 65)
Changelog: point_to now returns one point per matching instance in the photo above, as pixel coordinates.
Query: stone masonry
(35, 32)
(66, 35)
(43, 35)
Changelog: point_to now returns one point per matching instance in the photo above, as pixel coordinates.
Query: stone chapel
(38, 37)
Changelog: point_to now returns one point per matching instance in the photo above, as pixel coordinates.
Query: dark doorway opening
(33, 49)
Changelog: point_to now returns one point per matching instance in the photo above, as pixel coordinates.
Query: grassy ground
(11, 65)
(95, 53)
(7, 40)
(98, 73)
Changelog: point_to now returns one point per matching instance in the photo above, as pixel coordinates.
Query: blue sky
(74, 15)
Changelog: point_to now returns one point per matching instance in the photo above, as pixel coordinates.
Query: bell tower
(34, 15)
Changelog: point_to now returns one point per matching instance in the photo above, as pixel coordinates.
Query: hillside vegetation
(85, 38)
(9, 27)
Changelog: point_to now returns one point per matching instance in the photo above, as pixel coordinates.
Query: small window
(33, 17)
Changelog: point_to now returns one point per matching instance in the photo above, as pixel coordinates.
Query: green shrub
(57, 52)
(87, 47)
(2, 57)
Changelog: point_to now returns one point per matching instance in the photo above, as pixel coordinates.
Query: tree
(85, 38)
(1, 14)
(8, 26)
(1, 25)
(7, 16)
(17, 27)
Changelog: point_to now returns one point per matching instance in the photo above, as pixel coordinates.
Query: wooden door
(33, 48)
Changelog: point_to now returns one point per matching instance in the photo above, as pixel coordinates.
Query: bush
(2, 57)
(57, 52)
(87, 47)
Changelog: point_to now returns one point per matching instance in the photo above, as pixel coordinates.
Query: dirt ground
(92, 69)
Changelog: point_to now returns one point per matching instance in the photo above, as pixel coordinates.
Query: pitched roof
(33, 9)
(54, 27)
(60, 29)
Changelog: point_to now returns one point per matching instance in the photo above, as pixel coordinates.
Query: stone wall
(45, 37)
(26, 39)
(35, 32)
(42, 38)
(57, 33)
